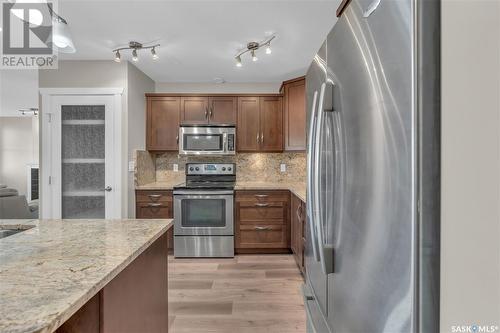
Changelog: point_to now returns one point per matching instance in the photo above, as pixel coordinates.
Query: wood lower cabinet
(262, 223)
(162, 123)
(152, 204)
(298, 235)
(136, 300)
(294, 108)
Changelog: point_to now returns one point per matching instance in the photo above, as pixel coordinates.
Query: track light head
(268, 49)
(153, 52)
(238, 61)
(134, 55)
(118, 57)
(254, 57)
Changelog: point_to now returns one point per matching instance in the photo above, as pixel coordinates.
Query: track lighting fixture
(252, 47)
(134, 46)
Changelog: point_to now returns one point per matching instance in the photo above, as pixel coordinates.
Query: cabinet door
(271, 124)
(194, 110)
(248, 126)
(163, 123)
(295, 115)
(222, 110)
(294, 220)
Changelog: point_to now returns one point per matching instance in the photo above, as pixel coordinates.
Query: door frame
(50, 130)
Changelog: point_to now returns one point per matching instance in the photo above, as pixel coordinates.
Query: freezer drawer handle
(308, 298)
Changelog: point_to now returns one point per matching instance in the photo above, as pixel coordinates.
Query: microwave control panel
(230, 142)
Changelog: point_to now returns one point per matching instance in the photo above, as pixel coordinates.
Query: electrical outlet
(283, 167)
(131, 166)
(176, 167)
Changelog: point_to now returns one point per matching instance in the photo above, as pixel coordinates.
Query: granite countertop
(297, 188)
(52, 269)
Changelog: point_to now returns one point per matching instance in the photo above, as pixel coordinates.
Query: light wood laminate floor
(247, 294)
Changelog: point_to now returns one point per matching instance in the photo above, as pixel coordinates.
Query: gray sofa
(15, 206)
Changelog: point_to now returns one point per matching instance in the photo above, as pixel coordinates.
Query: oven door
(202, 141)
(199, 213)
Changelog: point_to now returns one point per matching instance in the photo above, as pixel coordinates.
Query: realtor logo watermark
(27, 36)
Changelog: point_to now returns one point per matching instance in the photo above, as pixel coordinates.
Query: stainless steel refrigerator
(372, 245)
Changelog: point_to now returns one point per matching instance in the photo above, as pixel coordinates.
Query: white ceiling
(200, 38)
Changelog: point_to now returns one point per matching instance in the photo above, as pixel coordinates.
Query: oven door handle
(214, 192)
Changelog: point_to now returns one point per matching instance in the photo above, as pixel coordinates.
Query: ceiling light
(153, 52)
(254, 57)
(238, 61)
(134, 46)
(252, 47)
(61, 36)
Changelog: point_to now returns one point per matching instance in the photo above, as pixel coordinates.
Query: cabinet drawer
(262, 196)
(262, 236)
(153, 196)
(153, 210)
(271, 212)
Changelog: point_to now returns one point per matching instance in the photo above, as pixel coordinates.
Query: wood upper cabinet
(248, 127)
(260, 124)
(294, 100)
(271, 124)
(162, 123)
(194, 110)
(222, 110)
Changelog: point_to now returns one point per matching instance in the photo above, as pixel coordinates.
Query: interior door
(222, 110)
(163, 118)
(194, 110)
(248, 127)
(271, 124)
(83, 160)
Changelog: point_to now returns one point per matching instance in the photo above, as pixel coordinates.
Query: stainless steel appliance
(204, 211)
(372, 249)
(207, 139)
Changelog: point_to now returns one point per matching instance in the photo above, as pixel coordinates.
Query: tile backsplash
(253, 167)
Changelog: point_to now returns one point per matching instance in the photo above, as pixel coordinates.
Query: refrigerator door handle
(325, 250)
(310, 176)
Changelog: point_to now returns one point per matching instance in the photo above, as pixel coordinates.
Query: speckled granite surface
(49, 271)
(299, 189)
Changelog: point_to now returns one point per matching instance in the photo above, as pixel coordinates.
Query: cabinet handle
(154, 196)
(154, 205)
(261, 195)
(261, 204)
(299, 213)
(257, 137)
(262, 137)
(262, 228)
(211, 109)
(206, 112)
(177, 138)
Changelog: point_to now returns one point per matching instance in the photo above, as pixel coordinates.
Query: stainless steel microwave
(207, 140)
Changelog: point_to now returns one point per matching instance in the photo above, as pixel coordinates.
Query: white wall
(138, 84)
(470, 258)
(18, 90)
(18, 148)
(230, 88)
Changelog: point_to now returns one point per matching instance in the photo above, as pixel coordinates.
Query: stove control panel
(210, 169)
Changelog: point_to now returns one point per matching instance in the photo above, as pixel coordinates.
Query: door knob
(108, 189)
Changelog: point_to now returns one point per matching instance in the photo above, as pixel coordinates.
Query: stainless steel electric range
(204, 211)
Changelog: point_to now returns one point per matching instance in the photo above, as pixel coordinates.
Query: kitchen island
(84, 276)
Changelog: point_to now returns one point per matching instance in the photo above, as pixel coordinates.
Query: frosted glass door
(83, 150)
